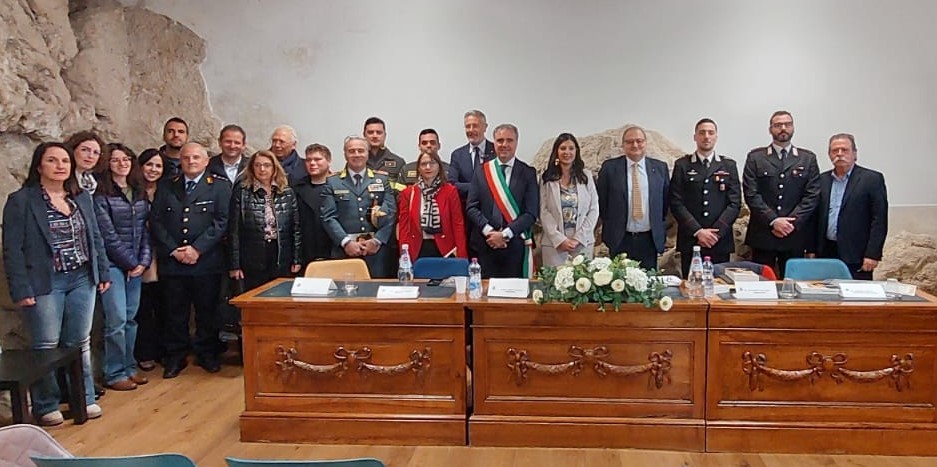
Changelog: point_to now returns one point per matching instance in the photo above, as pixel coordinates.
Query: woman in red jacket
(430, 214)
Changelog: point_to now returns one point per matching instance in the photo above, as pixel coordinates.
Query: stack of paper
(742, 275)
(817, 288)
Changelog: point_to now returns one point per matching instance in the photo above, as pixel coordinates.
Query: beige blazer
(552, 220)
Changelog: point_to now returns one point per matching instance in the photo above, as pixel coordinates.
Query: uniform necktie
(477, 158)
(637, 211)
(706, 163)
(504, 170)
(784, 154)
(189, 186)
(357, 180)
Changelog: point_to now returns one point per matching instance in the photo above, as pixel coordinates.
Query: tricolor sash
(506, 203)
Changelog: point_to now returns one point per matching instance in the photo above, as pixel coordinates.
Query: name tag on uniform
(692, 172)
(200, 203)
(391, 164)
(411, 173)
(376, 187)
(341, 192)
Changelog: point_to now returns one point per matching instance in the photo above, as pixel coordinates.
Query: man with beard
(782, 187)
(466, 159)
(428, 144)
(380, 159)
(283, 145)
(852, 216)
(231, 160)
(175, 134)
(705, 197)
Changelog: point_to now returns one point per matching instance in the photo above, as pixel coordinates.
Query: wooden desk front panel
(551, 376)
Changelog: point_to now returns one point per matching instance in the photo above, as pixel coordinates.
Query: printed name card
(312, 287)
(763, 290)
(398, 292)
(862, 290)
(508, 288)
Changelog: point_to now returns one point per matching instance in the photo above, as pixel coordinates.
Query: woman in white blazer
(569, 204)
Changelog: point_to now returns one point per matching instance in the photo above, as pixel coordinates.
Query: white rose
(636, 279)
(578, 260)
(564, 279)
(618, 285)
(599, 263)
(537, 296)
(666, 303)
(602, 277)
(583, 285)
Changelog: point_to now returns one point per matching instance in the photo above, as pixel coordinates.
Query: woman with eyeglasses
(569, 204)
(429, 213)
(87, 147)
(264, 238)
(148, 348)
(55, 261)
(122, 207)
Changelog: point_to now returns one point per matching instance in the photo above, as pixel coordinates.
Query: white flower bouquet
(604, 281)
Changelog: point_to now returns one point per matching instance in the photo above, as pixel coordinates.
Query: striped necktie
(637, 210)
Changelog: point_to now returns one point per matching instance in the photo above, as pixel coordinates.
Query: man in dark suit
(359, 211)
(781, 184)
(189, 218)
(502, 236)
(231, 161)
(705, 197)
(633, 201)
(283, 145)
(316, 241)
(852, 216)
(466, 159)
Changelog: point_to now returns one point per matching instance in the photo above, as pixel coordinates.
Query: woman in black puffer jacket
(264, 239)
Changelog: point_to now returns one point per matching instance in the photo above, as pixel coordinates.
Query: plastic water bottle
(405, 268)
(694, 282)
(708, 279)
(475, 280)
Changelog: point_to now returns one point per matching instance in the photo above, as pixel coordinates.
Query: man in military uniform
(380, 159)
(705, 197)
(428, 144)
(359, 211)
(782, 188)
(189, 217)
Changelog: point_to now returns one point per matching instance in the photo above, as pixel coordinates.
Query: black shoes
(210, 364)
(173, 368)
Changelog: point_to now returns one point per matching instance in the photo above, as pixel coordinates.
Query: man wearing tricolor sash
(503, 203)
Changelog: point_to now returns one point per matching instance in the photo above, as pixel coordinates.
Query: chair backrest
(335, 269)
(816, 269)
(757, 268)
(149, 460)
(440, 268)
(20, 442)
(364, 462)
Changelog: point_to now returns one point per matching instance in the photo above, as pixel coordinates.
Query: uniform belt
(638, 234)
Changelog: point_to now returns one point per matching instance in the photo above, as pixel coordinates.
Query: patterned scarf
(430, 220)
(87, 182)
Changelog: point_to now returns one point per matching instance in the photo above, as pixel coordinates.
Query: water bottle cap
(696, 248)
(707, 258)
(474, 259)
(405, 247)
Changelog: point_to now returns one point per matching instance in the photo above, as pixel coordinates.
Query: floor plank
(196, 414)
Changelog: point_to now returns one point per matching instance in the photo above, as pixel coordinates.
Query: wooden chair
(335, 269)
(366, 462)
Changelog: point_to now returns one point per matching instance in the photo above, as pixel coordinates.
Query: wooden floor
(196, 414)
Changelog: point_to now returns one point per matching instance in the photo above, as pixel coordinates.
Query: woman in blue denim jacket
(121, 205)
(54, 258)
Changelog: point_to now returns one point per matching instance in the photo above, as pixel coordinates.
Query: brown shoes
(139, 379)
(122, 385)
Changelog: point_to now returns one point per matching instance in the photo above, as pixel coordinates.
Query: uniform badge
(692, 172)
(390, 164)
(381, 172)
(341, 192)
(209, 180)
(376, 187)
(411, 174)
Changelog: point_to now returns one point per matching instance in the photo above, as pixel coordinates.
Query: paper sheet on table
(763, 290)
(398, 292)
(508, 288)
(312, 286)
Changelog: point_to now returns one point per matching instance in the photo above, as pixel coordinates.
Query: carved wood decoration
(899, 371)
(658, 366)
(357, 359)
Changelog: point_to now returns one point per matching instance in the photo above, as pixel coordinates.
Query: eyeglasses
(428, 163)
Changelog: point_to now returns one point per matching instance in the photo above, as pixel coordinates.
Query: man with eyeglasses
(359, 211)
(633, 201)
(428, 144)
(781, 184)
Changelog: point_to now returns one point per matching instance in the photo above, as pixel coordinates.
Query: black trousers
(638, 246)
(508, 262)
(831, 250)
(687, 256)
(256, 277)
(775, 259)
(150, 318)
(429, 249)
(181, 294)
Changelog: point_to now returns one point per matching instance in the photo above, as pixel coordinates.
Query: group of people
(157, 235)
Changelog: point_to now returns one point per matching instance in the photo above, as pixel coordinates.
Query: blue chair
(816, 269)
(149, 460)
(440, 268)
(366, 462)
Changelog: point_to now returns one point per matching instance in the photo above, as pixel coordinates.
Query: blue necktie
(189, 187)
(478, 159)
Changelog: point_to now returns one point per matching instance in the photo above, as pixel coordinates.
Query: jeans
(120, 304)
(62, 318)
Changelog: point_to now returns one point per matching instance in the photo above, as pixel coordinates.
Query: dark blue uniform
(198, 219)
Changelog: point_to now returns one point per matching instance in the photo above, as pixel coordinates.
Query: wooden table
(822, 377)
(552, 376)
(21, 368)
(342, 370)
